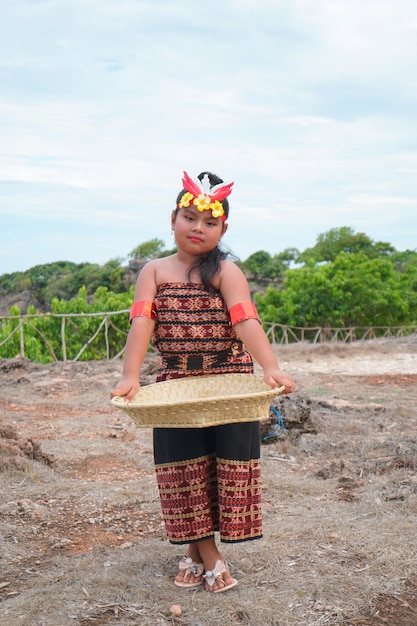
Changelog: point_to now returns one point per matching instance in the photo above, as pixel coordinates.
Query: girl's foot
(219, 579)
(190, 574)
(217, 576)
(191, 568)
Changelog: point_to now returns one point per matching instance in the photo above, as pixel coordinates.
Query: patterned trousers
(209, 480)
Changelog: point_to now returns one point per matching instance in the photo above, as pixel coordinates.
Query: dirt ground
(81, 537)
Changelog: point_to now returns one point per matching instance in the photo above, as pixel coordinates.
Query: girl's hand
(277, 378)
(128, 386)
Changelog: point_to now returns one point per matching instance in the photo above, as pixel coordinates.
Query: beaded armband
(142, 309)
(243, 311)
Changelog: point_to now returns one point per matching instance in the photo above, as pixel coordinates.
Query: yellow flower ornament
(217, 209)
(202, 202)
(186, 200)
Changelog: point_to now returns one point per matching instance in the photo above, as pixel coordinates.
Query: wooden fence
(24, 324)
(277, 333)
(281, 334)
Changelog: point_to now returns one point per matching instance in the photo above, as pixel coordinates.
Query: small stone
(176, 610)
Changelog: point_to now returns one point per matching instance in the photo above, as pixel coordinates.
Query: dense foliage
(345, 280)
(63, 280)
(86, 336)
(354, 290)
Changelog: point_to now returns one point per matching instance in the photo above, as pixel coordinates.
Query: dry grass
(82, 542)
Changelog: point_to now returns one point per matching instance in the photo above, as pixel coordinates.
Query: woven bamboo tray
(200, 401)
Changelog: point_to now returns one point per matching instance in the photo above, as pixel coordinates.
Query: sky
(309, 106)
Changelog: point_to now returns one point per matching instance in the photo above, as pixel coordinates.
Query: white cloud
(308, 106)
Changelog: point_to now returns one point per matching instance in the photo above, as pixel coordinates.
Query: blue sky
(309, 106)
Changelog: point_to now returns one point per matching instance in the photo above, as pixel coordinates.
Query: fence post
(64, 345)
(21, 339)
(106, 336)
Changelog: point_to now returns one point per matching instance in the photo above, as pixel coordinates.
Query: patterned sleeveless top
(193, 333)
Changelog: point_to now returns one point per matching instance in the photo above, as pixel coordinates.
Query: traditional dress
(208, 478)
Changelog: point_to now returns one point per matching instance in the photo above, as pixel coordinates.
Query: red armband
(142, 309)
(243, 311)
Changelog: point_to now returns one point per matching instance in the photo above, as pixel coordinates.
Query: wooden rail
(277, 333)
(68, 320)
(281, 334)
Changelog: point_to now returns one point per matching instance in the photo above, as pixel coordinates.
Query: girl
(196, 305)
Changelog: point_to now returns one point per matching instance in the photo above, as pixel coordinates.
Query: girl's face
(197, 232)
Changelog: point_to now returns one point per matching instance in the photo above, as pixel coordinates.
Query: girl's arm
(139, 336)
(235, 289)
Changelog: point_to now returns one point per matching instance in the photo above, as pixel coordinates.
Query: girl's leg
(194, 554)
(210, 554)
(206, 552)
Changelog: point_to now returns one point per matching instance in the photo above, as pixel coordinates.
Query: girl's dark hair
(209, 264)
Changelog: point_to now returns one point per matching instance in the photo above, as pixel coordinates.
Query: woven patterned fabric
(208, 479)
(193, 333)
(194, 504)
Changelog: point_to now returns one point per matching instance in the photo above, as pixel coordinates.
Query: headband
(205, 197)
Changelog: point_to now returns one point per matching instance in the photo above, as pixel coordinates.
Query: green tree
(261, 265)
(148, 250)
(344, 239)
(404, 261)
(354, 290)
(288, 256)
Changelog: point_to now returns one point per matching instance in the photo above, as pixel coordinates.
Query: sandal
(216, 575)
(188, 566)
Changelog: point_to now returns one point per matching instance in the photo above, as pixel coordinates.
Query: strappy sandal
(188, 566)
(216, 575)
